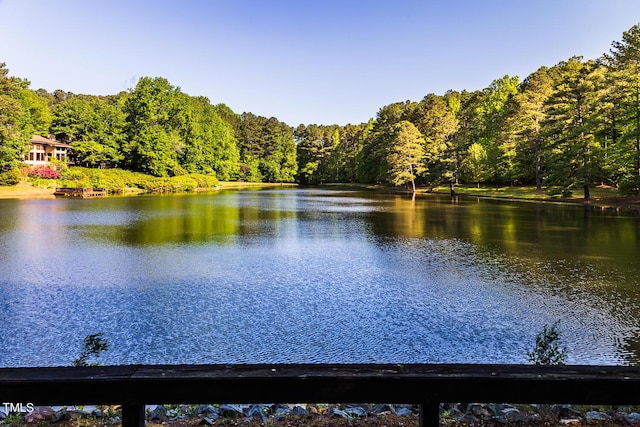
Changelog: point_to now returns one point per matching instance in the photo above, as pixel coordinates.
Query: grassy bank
(118, 181)
(600, 195)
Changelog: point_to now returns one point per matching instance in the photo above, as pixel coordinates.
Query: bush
(73, 174)
(181, 183)
(205, 181)
(94, 344)
(628, 187)
(10, 177)
(44, 172)
(547, 350)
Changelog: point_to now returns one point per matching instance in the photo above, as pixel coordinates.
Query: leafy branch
(94, 344)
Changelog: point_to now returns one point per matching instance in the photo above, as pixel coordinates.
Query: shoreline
(26, 191)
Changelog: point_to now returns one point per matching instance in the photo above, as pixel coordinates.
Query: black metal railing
(133, 386)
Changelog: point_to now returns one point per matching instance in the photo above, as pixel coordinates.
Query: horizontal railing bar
(291, 383)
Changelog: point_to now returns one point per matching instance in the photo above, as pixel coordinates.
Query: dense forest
(568, 126)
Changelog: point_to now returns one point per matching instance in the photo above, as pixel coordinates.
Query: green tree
(522, 132)
(448, 162)
(475, 166)
(210, 143)
(36, 115)
(570, 119)
(435, 117)
(490, 115)
(93, 126)
(155, 113)
(625, 63)
(406, 155)
(374, 167)
(14, 133)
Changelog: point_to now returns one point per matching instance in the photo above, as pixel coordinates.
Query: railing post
(429, 414)
(132, 415)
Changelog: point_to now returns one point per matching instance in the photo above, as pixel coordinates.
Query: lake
(315, 276)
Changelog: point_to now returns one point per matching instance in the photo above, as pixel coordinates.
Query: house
(42, 150)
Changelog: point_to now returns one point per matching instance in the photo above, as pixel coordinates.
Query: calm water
(308, 275)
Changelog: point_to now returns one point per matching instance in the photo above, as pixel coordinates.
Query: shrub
(94, 344)
(547, 350)
(10, 177)
(73, 174)
(181, 183)
(44, 172)
(628, 187)
(205, 181)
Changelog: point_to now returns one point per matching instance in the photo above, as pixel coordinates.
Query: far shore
(604, 197)
(24, 190)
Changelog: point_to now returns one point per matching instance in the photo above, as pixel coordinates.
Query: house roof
(37, 139)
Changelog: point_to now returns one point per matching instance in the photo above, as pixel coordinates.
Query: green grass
(528, 192)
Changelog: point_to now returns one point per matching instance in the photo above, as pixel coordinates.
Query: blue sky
(323, 62)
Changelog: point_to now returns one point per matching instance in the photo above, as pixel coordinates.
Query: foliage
(476, 165)
(570, 123)
(12, 121)
(10, 176)
(406, 155)
(93, 346)
(119, 180)
(270, 143)
(45, 172)
(547, 350)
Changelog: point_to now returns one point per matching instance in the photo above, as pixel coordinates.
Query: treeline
(154, 128)
(567, 126)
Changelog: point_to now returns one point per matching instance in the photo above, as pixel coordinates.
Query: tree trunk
(538, 149)
(587, 195)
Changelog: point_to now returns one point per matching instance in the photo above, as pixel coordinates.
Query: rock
(383, 408)
(334, 412)
(94, 412)
(468, 418)
(40, 413)
(61, 416)
(281, 411)
(299, 411)
(206, 410)
(565, 412)
(2, 415)
(206, 422)
(159, 413)
(77, 414)
(512, 415)
(633, 418)
(593, 417)
(404, 412)
(231, 411)
(356, 411)
(273, 408)
(256, 411)
(479, 411)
